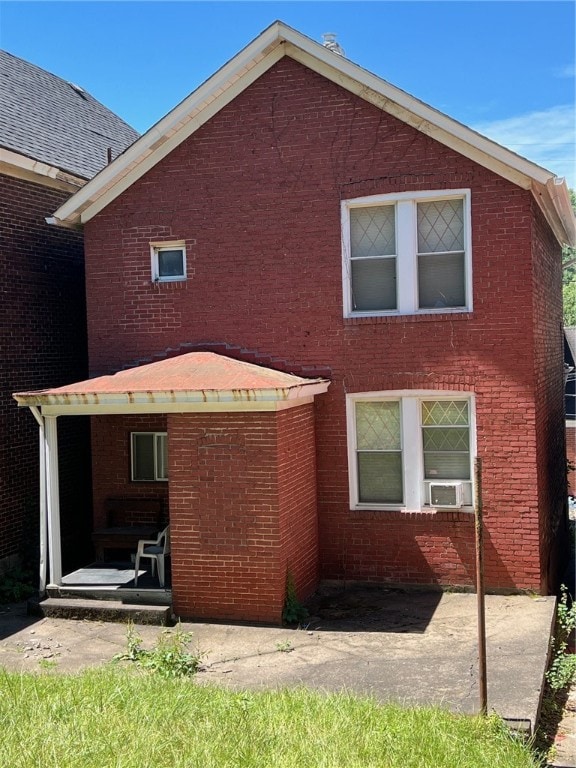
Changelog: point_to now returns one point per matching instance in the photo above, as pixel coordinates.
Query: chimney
(331, 42)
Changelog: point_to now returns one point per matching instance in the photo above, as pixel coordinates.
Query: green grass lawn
(113, 718)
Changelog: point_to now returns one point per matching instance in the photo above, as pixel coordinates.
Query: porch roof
(190, 382)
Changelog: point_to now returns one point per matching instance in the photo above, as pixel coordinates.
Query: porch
(114, 581)
(238, 467)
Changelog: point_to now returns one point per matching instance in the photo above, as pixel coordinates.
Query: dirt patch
(370, 608)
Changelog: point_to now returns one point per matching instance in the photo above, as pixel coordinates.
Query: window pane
(439, 412)
(441, 281)
(161, 457)
(373, 284)
(378, 426)
(445, 438)
(372, 231)
(380, 478)
(447, 466)
(170, 263)
(143, 457)
(441, 226)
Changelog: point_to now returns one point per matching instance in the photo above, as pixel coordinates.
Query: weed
(563, 666)
(47, 664)
(294, 612)
(16, 585)
(284, 646)
(170, 657)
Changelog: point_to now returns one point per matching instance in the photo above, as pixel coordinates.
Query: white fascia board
(421, 116)
(111, 409)
(203, 112)
(22, 167)
(237, 72)
(172, 402)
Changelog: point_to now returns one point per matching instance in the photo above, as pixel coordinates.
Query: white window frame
(415, 487)
(405, 204)
(155, 249)
(158, 476)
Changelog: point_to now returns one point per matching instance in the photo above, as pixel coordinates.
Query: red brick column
(242, 503)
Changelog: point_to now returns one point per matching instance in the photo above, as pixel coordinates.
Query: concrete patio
(414, 647)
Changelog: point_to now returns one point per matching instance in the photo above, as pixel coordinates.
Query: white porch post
(43, 497)
(53, 499)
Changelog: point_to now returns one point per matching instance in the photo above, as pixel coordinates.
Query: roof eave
(21, 166)
(166, 401)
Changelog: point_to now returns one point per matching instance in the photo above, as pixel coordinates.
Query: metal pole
(483, 684)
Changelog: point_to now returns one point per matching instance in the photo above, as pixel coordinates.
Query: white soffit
(253, 61)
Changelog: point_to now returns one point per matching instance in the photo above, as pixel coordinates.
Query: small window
(168, 262)
(149, 456)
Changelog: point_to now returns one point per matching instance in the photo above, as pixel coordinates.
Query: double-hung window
(410, 450)
(407, 253)
(168, 261)
(149, 456)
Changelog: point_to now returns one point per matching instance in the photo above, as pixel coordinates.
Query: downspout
(43, 496)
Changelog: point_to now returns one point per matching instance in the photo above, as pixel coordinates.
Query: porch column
(43, 524)
(53, 501)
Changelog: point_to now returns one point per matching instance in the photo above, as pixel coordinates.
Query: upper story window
(168, 261)
(407, 253)
(149, 456)
(410, 450)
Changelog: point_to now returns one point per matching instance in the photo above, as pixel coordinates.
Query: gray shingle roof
(48, 119)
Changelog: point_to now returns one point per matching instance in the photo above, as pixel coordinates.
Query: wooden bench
(128, 521)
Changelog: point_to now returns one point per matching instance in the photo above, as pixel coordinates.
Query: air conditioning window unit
(446, 494)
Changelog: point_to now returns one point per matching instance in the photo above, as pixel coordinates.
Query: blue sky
(503, 68)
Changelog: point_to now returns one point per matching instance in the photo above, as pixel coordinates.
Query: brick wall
(42, 344)
(111, 470)
(549, 403)
(298, 497)
(256, 193)
(238, 521)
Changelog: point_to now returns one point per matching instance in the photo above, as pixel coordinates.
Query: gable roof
(262, 53)
(47, 119)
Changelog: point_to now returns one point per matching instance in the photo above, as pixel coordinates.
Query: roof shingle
(48, 119)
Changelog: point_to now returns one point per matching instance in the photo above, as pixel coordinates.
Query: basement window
(149, 457)
(168, 262)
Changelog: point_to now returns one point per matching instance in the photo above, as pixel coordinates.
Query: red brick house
(54, 136)
(322, 299)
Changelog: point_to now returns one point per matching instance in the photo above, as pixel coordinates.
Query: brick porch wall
(111, 462)
(234, 516)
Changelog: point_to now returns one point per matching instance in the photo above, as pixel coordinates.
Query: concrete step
(100, 610)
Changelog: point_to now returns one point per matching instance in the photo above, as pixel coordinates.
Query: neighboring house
(322, 300)
(570, 363)
(53, 138)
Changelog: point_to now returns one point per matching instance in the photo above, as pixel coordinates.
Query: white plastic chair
(156, 550)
